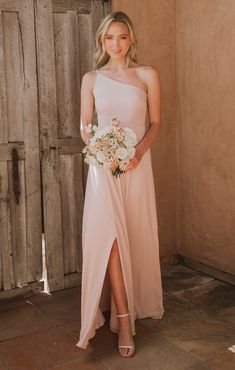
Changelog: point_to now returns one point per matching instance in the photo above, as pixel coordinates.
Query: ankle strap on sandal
(124, 315)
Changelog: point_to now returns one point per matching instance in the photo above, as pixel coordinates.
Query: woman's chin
(117, 56)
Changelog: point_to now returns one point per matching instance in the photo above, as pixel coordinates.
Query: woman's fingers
(133, 163)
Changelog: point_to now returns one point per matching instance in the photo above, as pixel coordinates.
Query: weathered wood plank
(68, 212)
(107, 7)
(14, 72)
(3, 104)
(85, 43)
(10, 5)
(22, 291)
(79, 204)
(62, 87)
(97, 14)
(34, 214)
(50, 158)
(21, 247)
(7, 274)
(72, 280)
(31, 140)
(70, 145)
(18, 227)
(73, 72)
(80, 6)
(6, 149)
(65, 45)
(67, 73)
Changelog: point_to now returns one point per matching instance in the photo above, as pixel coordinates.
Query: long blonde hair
(100, 56)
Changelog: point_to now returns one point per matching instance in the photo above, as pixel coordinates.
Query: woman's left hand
(136, 159)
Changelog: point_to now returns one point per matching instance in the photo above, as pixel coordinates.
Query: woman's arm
(87, 104)
(151, 78)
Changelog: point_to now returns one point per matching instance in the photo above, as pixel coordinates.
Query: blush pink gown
(122, 208)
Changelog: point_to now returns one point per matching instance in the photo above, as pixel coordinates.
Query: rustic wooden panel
(97, 14)
(79, 204)
(50, 160)
(73, 73)
(20, 224)
(10, 5)
(31, 140)
(85, 43)
(52, 216)
(70, 145)
(3, 104)
(18, 228)
(14, 69)
(6, 149)
(65, 45)
(24, 291)
(62, 87)
(80, 6)
(72, 280)
(107, 7)
(68, 213)
(67, 73)
(6, 277)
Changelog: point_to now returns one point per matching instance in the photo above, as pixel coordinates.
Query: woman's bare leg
(120, 297)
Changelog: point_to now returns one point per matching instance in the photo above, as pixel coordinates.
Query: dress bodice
(123, 101)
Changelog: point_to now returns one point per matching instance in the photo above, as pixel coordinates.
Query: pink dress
(122, 208)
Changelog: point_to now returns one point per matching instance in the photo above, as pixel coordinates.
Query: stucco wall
(200, 200)
(206, 130)
(154, 21)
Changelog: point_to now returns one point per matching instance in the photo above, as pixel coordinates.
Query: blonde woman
(121, 269)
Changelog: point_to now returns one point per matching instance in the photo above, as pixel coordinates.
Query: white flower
(102, 132)
(92, 160)
(131, 152)
(121, 153)
(100, 156)
(131, 135)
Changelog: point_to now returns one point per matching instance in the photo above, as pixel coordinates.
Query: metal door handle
(15, 175)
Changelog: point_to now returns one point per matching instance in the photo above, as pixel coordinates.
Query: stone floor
(195, 333)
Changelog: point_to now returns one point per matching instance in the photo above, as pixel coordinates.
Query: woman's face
(117, 40)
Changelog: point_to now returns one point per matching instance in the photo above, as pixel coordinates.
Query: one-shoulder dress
(123, 208)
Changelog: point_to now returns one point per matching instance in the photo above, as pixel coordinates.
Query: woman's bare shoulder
(89, 77)
(147, 72)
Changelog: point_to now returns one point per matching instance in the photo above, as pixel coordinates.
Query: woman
(121, 269)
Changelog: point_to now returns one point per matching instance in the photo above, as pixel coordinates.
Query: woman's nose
(115, 42)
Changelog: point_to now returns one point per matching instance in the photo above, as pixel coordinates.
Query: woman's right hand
(87, 132)
(86, 136)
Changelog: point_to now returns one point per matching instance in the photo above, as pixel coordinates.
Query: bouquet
(111, 147)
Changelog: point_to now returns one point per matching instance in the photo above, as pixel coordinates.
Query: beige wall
(206, 130)
(201, 146)
(154, 21)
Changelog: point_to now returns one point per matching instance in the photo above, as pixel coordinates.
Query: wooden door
(20, 190)
(65, 42)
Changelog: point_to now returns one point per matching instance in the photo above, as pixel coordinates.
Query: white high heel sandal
(132, 348)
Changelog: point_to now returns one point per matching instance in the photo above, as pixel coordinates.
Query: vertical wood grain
(49, 141)
(31, 140)
(7, 275)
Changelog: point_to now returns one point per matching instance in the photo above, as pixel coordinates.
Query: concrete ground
(198, 327)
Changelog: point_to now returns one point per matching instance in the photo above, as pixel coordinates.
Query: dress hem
(94, 333)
